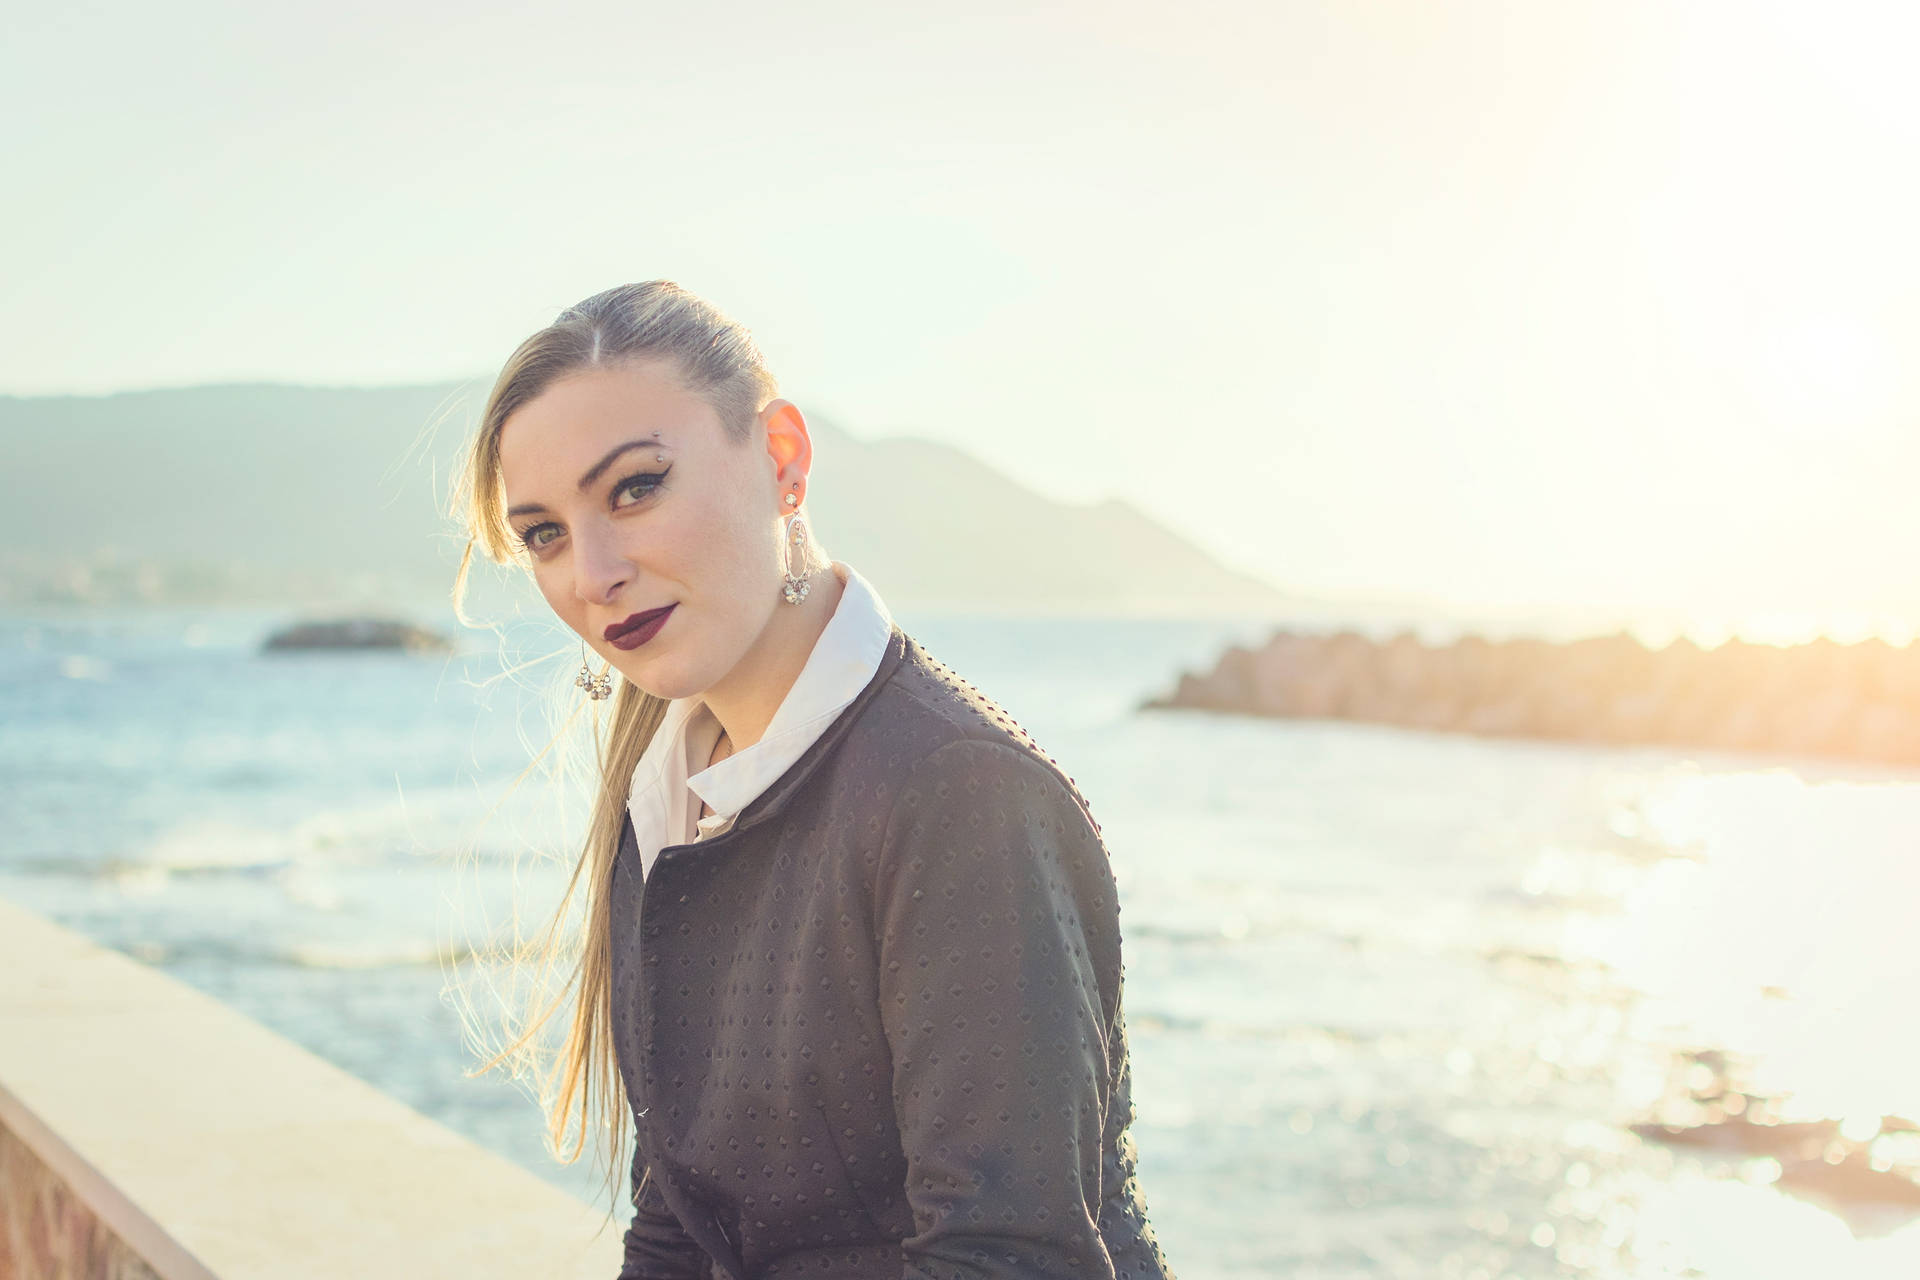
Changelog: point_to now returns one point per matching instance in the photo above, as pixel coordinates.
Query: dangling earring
(597, 687)
(794, 589)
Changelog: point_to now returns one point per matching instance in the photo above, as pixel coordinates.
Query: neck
(744, 702)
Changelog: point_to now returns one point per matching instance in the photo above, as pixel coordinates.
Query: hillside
(271, 493)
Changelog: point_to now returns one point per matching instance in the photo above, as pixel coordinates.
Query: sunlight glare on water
(1789, 934)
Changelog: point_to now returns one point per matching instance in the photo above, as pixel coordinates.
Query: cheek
(556, 587)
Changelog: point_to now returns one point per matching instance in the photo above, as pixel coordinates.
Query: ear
(791, 449)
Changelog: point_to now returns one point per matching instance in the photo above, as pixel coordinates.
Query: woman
(852, 940)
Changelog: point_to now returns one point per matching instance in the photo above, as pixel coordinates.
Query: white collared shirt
(669, 782)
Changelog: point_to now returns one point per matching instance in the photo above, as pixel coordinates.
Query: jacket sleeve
(998, 931)
(657, 1246)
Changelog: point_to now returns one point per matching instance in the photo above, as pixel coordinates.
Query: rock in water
(358, 633)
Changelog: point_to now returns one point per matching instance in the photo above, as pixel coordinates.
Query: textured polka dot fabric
(874, 1027)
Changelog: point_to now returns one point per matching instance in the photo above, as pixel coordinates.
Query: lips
(638, 629)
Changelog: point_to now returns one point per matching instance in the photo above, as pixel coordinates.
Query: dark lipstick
(638, 629)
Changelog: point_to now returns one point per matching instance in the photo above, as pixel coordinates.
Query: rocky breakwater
(1854, 701)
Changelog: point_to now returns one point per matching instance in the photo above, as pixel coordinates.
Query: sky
(1599, 306)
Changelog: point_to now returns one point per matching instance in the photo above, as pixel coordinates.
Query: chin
(659, 685)
(663, 679)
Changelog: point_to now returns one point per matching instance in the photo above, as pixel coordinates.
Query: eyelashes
(643, 481)
(642, 484)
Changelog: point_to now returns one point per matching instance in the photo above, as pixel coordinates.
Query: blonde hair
(714, 356)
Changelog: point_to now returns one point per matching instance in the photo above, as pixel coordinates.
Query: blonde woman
(852, 948)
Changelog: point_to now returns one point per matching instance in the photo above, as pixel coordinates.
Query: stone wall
(49, 1233)
(145, 1133)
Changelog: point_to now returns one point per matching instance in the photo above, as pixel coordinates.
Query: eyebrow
(594, 472)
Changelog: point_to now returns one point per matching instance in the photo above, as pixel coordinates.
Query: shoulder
(979, 830)
(929, 736)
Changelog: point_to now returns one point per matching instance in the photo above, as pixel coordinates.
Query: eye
(539, 535)
(633, 488)
(640, 484)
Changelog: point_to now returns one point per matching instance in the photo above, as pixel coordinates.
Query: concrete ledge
(207, 1146)
(48, 1231)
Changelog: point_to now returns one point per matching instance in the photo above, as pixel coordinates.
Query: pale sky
(1599, 304)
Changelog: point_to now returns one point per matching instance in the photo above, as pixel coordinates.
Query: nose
(600, 568)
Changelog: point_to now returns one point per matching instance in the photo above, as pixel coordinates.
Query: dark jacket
(874, 1028)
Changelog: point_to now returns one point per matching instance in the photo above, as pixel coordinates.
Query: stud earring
(794, 588)
(596, 687)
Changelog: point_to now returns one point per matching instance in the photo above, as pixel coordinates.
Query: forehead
(580, 416)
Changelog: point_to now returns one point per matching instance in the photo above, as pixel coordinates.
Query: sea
(1400, 1003)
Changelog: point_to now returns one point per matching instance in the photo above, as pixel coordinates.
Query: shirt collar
(843, 660)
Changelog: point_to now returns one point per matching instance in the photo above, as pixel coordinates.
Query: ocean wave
(370, 954)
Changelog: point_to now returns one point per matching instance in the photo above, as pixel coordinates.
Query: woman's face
(630, 496)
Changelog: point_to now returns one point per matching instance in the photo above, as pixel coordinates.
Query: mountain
(278, 493)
